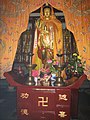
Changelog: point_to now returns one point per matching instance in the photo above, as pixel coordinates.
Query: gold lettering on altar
(63, 97)
(24, 112)
(43, 101)
(62, 114)
(24, 95)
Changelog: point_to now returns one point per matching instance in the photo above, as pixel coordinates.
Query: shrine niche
(45, 37)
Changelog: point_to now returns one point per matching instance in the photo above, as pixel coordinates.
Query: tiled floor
(8, 102)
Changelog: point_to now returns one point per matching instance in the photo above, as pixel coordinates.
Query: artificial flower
(75, 66)
(79, 57)
(74, 54)
(51, 64)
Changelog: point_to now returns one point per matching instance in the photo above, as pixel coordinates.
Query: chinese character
(63, 97)
(24, 95)
(24, 112)
(62, 114)
(43, 101)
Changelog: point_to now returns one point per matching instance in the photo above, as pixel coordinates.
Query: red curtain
(14, 16)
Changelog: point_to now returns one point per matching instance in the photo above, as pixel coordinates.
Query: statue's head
(47, 12)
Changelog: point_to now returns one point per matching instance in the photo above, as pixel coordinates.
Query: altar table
(45, 102)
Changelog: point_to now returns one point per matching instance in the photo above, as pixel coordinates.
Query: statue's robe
(54, 27)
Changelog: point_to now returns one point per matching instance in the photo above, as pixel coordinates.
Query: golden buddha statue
(48, 37)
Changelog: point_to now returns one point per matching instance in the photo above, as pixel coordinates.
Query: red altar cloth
(45, 102)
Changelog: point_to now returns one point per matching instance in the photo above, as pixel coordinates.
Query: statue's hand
(39, 44)
(38, 23)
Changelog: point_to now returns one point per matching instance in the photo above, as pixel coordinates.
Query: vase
(45, 83)
(53, 78)
(68, 74)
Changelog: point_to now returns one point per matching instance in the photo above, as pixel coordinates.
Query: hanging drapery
(14, 15)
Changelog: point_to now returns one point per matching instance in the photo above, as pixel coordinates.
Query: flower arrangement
(51, 64)
(75, 66)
